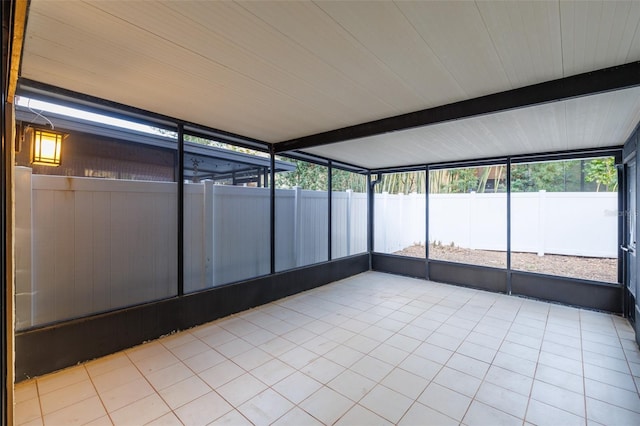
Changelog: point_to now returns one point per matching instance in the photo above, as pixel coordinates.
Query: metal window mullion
(180, 209)
(508, 224)
(369, 219)
(426, 229)
(329, 204)
(272, 208)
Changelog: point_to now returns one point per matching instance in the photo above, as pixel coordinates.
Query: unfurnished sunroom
(217, 156)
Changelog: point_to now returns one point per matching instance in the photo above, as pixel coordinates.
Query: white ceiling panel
(598, 34)
(526, 36)
(457, 34)
(382, 28)
(320, 35)
(276, 71)
(155, 75)
(597, 121)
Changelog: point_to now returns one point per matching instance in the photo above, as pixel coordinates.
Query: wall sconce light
(46, 146)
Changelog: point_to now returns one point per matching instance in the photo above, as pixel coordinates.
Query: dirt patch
(589, 268)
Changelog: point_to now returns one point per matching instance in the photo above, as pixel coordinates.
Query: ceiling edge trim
(600, 81)
(17, 44)
(615, 151)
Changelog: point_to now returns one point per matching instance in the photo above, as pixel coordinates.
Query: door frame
(629, 235)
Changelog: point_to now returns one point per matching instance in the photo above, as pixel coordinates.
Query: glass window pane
(302, 219)
(348, 213)
(468, 215)
(564, 218)
(226, 213)
(98, 232)
(400, 214)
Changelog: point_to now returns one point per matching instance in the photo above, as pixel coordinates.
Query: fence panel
(312, 227)
(285, 225)
(358, 217)
(195, 258)
(488, 221)
(446, 213)
(241, 232)
(348, 223)
(579, 224)
(96, 245)
(400, 221)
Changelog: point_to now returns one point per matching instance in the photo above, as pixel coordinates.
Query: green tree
(603, 172)
(342, 180)
(306, 176)
(402, 183)
(463, 181)
(532, 177)
(457, 181)
(315, 177)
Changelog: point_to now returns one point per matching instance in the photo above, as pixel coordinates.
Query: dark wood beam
(604, 80)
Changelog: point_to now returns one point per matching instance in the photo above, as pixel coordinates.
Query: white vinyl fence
(86, 245)
(567, 223)
(89, 245)
(400, 221)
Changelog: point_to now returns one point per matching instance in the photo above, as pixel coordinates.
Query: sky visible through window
(39, 107)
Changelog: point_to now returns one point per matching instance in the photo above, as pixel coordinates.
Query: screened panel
(226, 213)
(564, 218)
(349, 206)
(400, 214)
(98, 232)
(302, 215)
(468, 215)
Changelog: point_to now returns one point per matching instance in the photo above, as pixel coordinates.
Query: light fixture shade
(46, 146)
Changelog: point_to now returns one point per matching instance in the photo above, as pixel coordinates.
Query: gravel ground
(590, 268)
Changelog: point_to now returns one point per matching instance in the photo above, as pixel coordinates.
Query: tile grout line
(150, 384)
(98, 395)
(39, 400)
(626, 358)
(584, 378)
(491, 364)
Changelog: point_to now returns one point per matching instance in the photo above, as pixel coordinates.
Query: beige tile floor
(374, 349)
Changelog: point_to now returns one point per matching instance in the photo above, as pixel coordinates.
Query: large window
(302, 215)
(564, 218)
(98, 232)
(400, 214)
(348, 213)
(468, 215)
(226, 213)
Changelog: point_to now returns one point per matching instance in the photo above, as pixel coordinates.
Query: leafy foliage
(565, 176)
(470, 179)
(602, 171)
(532, 177)
(306, 176)
(343, 180)
(402, 183)
(597, 174)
